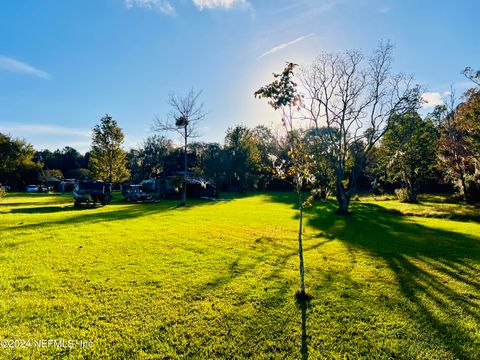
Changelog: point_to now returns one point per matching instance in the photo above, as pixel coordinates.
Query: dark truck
(135, 193)
(92, 192)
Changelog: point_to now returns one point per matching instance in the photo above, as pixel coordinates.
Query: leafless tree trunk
(183, 200)
(186, 112)
(354, 99)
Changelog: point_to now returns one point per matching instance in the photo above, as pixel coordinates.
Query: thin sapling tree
(298, 168)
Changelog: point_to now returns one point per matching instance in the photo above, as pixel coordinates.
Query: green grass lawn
(217, 279)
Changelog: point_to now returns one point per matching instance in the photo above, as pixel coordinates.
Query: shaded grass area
(435, 206)
(217, 279)
(433, 264)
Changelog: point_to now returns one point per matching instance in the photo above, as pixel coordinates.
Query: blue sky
(64, 64)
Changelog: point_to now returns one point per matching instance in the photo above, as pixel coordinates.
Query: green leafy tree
(71, 160)
(409, 152)
(469, 119)
(212, 162)
(17, 165)
(148, 160)
(155, 149)
(244, 157)
(108, 161)
(81, 174)
(268, 144)
(135, 160)
(374, 172)
(318, 144)
(455, 156)
(46, 175)
(298, 169)
(459, 144)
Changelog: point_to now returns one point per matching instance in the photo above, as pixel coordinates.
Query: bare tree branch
(186, 112)
(354, 98)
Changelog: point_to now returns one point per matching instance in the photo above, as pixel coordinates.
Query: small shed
(66, 185)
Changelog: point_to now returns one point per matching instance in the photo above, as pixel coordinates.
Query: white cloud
(49, 136)
(10, 64)
(432, 99)
(163, 6)
(166, 7)
(284, 45)
(43, 129)
(211, 4)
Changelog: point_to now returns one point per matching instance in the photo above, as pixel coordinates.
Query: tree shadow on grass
(268, 320)
(450, 213)
(262, 329)
(45, 209)
(425, 262)
(303, 304)
(116, 211)
(4, 205)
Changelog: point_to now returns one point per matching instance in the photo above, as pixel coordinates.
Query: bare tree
(354, 99)
(186, 112)
(473, 75)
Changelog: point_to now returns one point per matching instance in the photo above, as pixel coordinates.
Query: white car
(32, 188)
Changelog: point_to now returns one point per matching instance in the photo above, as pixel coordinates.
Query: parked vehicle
(32, 188)
(92, 192)
(135, 193)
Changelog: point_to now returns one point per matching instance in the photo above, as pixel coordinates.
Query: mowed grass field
(216, 280)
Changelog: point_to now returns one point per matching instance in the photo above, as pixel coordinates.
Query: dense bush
(401, 194)
(3, 192)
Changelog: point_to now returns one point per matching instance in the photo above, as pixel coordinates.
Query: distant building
(66, 185)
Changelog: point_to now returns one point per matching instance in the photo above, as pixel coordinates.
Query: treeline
(432, 154)
(242, 163)
(436, 153)
(65, 163)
